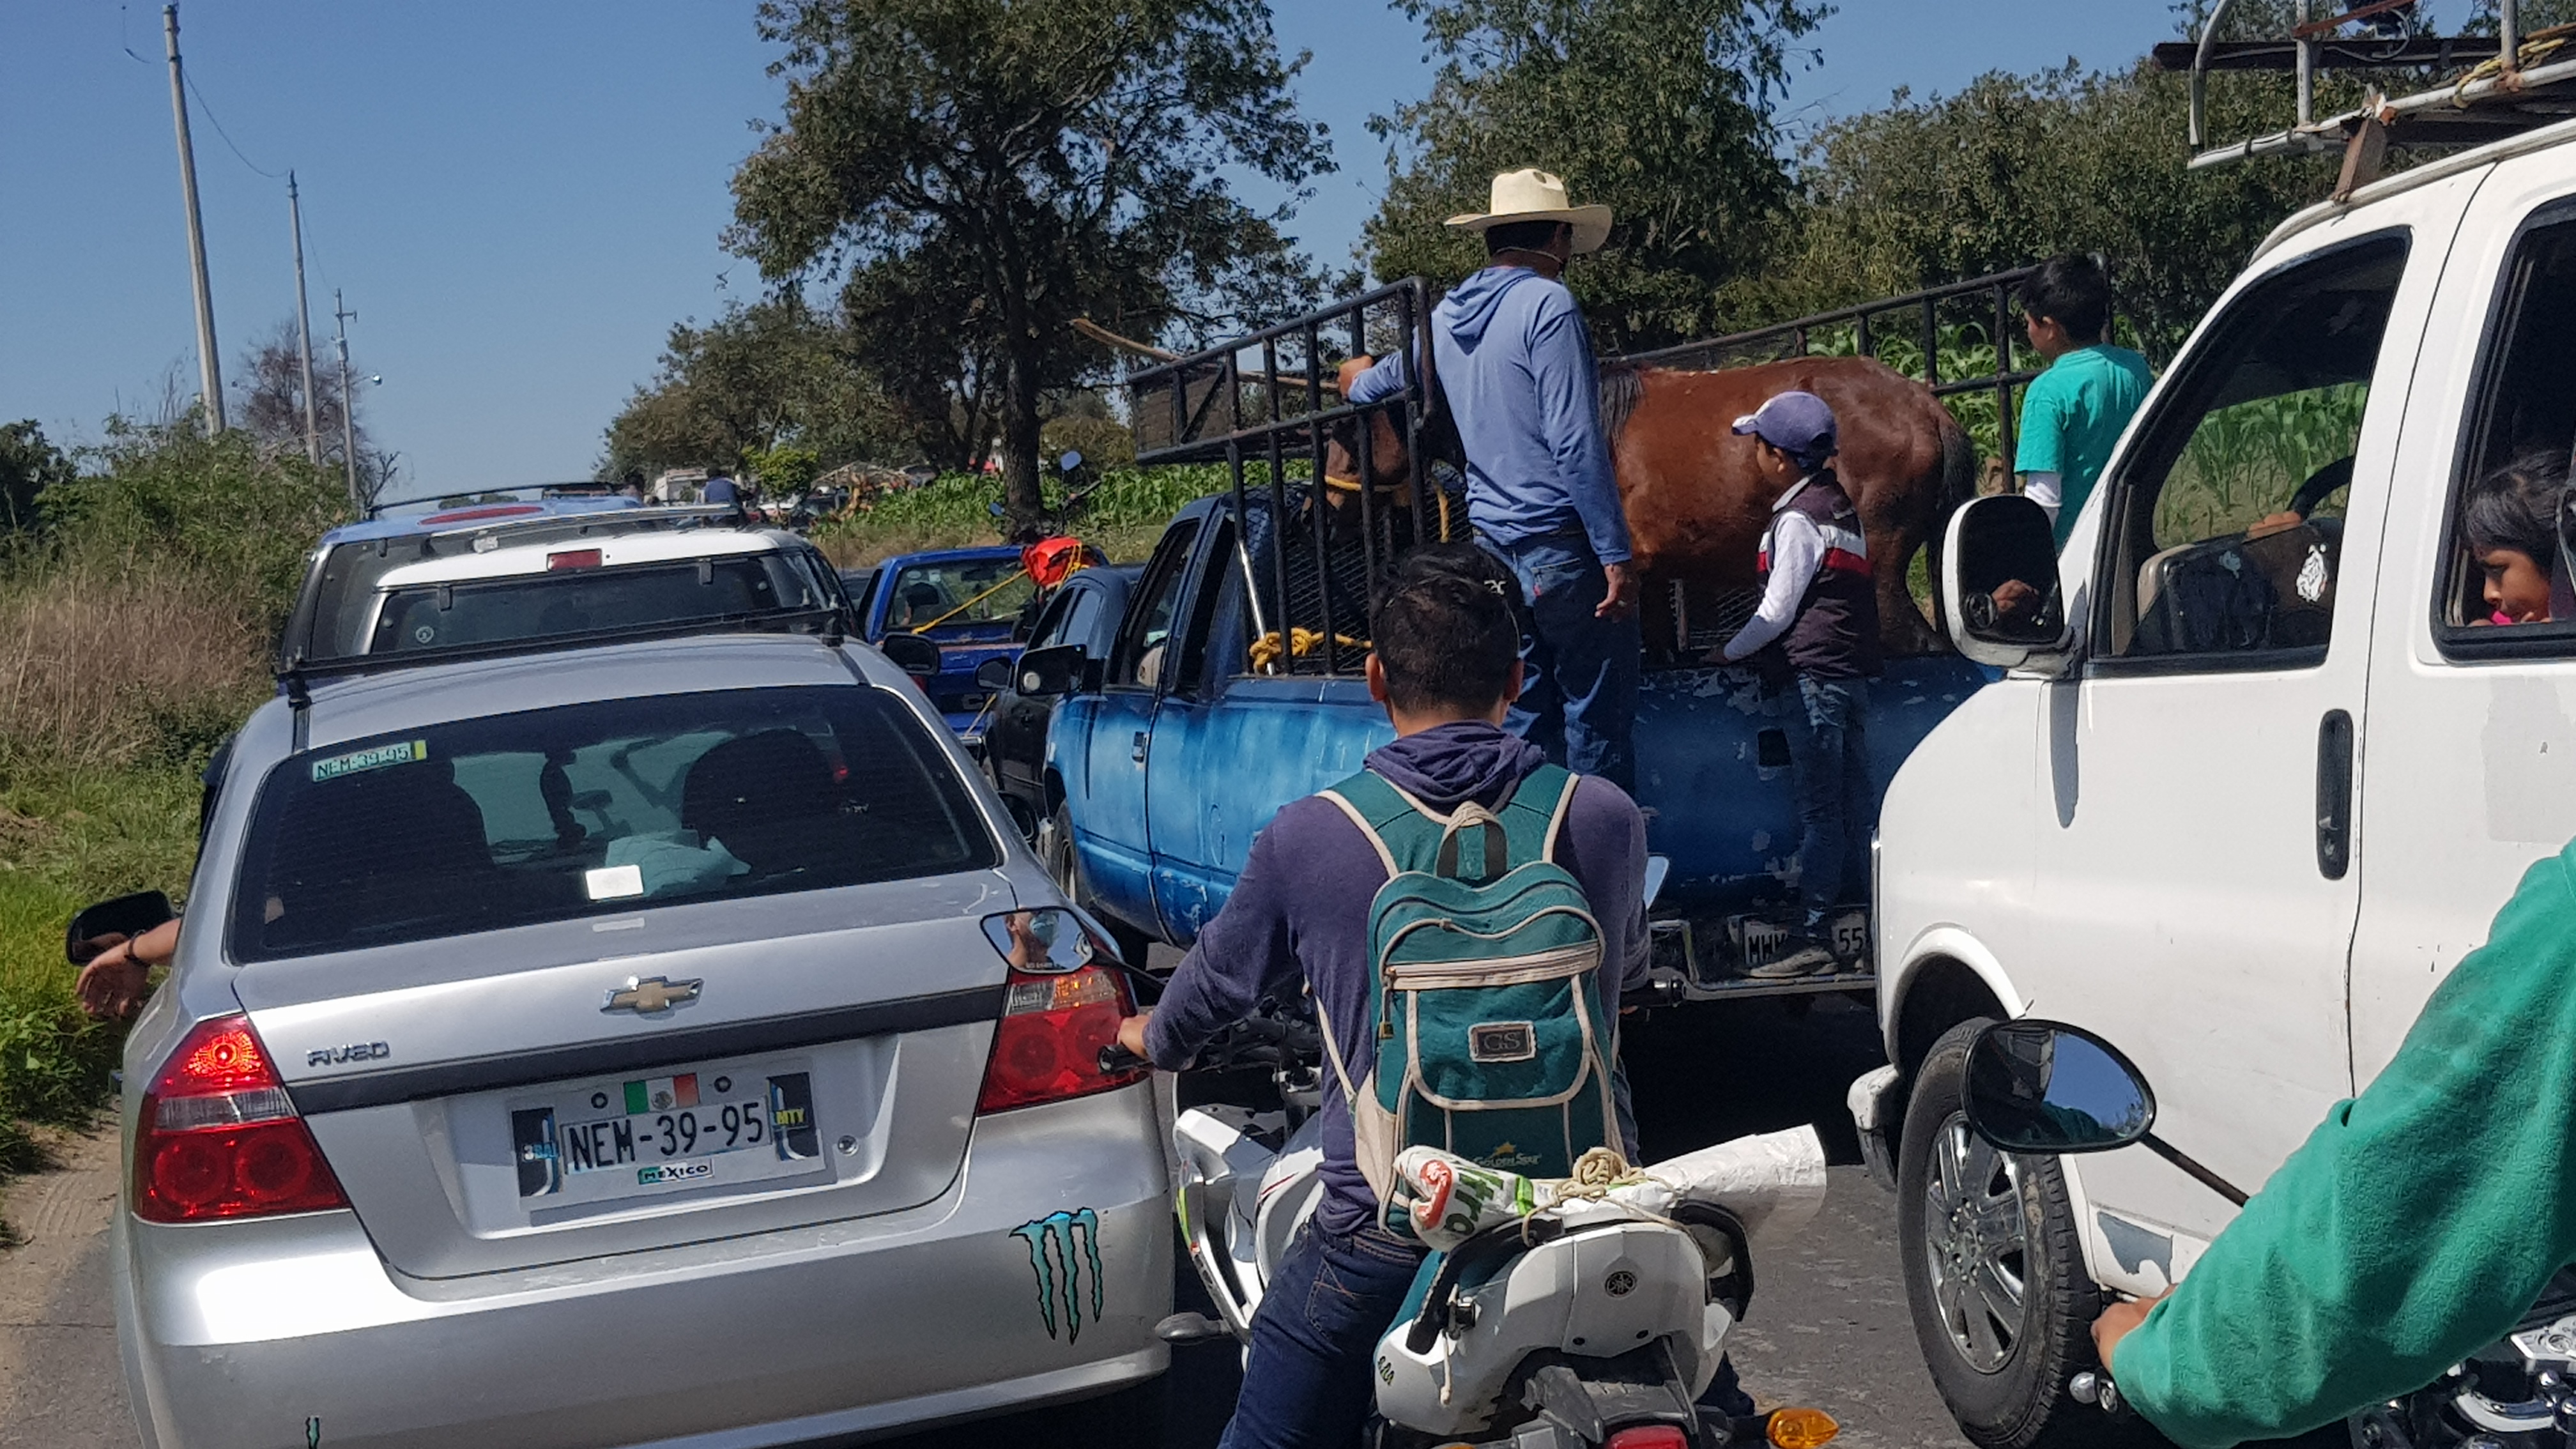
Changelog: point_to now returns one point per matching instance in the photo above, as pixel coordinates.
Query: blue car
(972, 602)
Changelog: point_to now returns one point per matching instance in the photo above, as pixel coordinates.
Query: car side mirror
(123, 918)
(912, 654)
(1054, 670)
(2045, 1087)
(2000, 590)
(994, 675)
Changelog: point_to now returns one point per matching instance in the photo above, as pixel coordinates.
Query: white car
(2261, 769)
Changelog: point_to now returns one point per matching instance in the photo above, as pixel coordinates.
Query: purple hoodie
(1299, 916)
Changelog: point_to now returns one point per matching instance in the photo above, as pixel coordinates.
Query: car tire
(2002, 1303)
(1064, 867)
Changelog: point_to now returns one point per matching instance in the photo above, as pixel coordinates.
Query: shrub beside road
(135, 623)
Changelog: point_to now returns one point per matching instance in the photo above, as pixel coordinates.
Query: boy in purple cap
(1817, 629)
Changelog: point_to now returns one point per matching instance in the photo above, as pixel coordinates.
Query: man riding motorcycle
(1446, 666)
(2414, 1227)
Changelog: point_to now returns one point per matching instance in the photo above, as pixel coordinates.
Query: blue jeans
(1308, 1382)
(1578, 672)
(1829, 755)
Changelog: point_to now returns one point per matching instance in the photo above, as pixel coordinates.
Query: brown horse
(1696, 509)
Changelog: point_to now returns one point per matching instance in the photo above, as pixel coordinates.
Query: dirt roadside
(60, 1384)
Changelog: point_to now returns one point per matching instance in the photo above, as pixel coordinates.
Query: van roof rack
(2508, 83)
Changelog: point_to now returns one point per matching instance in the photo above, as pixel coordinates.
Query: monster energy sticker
(402, 752)
(1060, 1270)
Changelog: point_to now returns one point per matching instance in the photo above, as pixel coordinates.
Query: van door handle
(1136, 751)
(2334, 794)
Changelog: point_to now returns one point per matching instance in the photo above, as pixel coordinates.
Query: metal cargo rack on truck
(1227, 734)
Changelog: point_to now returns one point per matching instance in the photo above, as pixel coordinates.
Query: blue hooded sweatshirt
(1516, 365)
(1298, 918)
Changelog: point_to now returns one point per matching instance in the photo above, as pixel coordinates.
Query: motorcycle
(1548, 1317)
(2046, 1088)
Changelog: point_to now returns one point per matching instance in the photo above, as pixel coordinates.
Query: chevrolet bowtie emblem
(650, 994)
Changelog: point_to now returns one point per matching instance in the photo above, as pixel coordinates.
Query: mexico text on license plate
(1759, 940)
(633, 1136)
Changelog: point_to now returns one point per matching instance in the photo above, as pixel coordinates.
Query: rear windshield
(576, 601)
(593, 809)
(977, 591)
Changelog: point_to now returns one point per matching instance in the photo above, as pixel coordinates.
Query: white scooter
(1592, 1321)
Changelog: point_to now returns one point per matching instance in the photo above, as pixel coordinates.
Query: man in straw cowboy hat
(1515, 363)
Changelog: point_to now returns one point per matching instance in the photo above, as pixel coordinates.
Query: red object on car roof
(496, 510)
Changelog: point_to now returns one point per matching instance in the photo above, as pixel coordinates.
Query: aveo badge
(1064, 1250)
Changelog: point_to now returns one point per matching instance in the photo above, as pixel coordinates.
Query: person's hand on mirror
(1131, 1033)
(113, 985)
(2275, 523)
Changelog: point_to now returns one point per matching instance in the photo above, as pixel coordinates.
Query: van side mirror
(912, 654)
(2000, 590)
(994, 675)
(1055, 670)
(100, 926)
(2045, 1087)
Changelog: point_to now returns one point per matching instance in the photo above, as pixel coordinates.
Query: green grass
(1123, 516)
(69, 836)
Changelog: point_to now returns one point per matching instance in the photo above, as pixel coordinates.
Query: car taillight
(1649, 1436)
(1053, 1027)
(219, 1137)
(574, 558)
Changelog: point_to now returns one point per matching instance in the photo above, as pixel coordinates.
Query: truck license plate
(1759, 940)
(641, 1135)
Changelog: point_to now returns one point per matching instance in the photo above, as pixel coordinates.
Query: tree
(28, 466)
(976, 174)
(267, 389)
(758, 378)
(1660, 108)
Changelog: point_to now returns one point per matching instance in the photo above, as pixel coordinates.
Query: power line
(227, 135)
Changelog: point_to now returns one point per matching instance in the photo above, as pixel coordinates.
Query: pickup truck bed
(1163, 786)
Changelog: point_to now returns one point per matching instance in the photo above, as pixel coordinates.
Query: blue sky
(519, 199)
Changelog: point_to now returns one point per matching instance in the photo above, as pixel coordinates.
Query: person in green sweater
(2073, 414)
(2415, 1226)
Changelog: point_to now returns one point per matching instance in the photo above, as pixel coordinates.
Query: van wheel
(1055, 852)
(1994, 1273)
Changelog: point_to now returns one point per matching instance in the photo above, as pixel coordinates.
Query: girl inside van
(2509, 520)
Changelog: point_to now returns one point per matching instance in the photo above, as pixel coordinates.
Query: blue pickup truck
(1170, 753)
(971, 602)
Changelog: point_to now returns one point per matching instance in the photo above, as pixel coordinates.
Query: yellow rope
(2535, 48)
(1301, 642)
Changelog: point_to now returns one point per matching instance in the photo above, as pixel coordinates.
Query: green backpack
(1491, 1043)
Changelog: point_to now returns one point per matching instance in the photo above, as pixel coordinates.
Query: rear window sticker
(611, 882)
(403, 752)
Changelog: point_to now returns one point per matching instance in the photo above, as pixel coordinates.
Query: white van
(2260, 770)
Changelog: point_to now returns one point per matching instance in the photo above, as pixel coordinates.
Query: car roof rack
(537, 525)
(2512, 82)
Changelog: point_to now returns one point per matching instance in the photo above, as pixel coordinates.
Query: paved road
(1828, 1325)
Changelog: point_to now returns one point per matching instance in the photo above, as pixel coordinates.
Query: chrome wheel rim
(1976, 1241)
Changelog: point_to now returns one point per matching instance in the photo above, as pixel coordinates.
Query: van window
(611, 806)
(2505, 587)
(2223, 544)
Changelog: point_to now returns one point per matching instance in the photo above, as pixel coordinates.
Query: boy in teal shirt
(2072, 414)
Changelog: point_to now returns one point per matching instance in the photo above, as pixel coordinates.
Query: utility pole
(348, 405)
(210, 376)
(303, 328)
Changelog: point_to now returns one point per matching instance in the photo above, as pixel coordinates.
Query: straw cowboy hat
(1530, 194)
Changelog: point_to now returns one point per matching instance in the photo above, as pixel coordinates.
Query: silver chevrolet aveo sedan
(660, 1044)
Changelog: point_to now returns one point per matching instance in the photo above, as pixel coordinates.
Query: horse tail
(1623, 384)
(1958, 487)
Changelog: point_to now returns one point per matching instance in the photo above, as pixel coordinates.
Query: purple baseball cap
(1797, 423)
